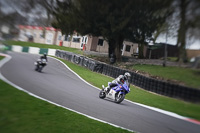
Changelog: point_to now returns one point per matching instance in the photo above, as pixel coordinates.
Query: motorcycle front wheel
(119, 98)
(102, 94)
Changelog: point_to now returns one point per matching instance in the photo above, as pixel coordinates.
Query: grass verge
(139, 95)
(185, 75)
(1, 57)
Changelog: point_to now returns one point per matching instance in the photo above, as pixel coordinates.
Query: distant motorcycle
(116, 93)
(40, 64)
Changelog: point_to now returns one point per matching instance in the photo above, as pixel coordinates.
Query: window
(76, 40)
(128, 48)
(100, 42)
(48, 41)
(86, 39)
(49, 38)
(41, 35)
(59, 37)
(67, 38)
(28, 34)
(34, 34)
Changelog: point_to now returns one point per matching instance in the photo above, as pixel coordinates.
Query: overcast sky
(191, 44)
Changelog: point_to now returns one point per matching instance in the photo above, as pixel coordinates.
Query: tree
(150, 16)
(48, 8)
(11, 18)
(114, 20)
(182, 32)
(189, 18)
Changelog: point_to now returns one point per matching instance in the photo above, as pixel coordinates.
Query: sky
(194, 44)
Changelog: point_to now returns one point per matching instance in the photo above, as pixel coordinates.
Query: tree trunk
(115, 45)
(141, 51)
(111, 47)
(182, 57)
(118, 52)
(119, 44)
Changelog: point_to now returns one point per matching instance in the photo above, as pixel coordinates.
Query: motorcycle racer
(41, 62)
(44, 56)
(119, 80)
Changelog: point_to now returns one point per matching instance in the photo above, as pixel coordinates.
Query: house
(50, 35)
(157, 51)
(98, 44)
(37, 34)
(191, 53)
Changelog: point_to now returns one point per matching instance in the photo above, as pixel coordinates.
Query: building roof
(159, 45)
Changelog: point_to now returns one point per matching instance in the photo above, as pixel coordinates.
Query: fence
(150, 84)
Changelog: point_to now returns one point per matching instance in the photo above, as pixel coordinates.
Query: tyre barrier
(80, 60)
(147, 83)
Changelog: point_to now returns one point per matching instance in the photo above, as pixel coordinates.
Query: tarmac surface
(58, 84)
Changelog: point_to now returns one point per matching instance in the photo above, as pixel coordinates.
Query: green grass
(22, 113)
(1, 57)
(20, 43)
(174, 59)
(187, 76)
(140, 95)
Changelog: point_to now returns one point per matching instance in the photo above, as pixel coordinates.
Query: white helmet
(127, 75)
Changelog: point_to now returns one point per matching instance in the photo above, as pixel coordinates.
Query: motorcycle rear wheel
(120, 98)
(102, 94)
(39, 68)
(36, 68)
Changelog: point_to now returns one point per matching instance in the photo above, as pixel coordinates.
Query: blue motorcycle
(116, 93)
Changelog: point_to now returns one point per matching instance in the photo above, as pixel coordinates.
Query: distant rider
(44, 56)
(119, 80)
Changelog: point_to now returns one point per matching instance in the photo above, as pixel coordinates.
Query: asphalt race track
(58, 84)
